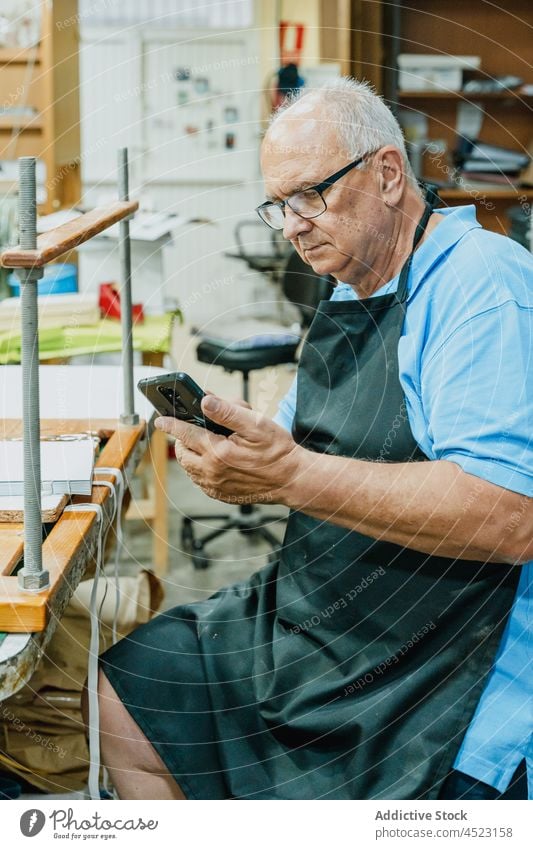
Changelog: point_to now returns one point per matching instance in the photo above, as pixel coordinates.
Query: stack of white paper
(70, 310)
(66, 467)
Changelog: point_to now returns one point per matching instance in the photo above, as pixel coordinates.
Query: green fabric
(2, 638)
(105, 336)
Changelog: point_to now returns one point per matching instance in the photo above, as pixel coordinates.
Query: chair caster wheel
(187, 536)
(200, 561)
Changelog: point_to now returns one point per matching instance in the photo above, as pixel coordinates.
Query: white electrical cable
(113, 492)
(117, 490)
(119, 498)
(94, 712)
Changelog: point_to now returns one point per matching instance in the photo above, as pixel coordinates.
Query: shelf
(21, 122)
(497, 33)
(45, 78)
(464, 95)
(19, 55)
(496, 194)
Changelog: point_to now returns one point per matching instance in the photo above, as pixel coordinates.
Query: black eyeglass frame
(319, 188)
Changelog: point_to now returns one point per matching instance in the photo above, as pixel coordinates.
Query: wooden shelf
(19, 55)
(521, 97)
(495, 194)
(21, 122)
(46, 78)
(500, 35)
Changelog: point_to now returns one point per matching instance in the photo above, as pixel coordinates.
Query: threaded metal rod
(31, 577)
(124, 249)
(27, 204)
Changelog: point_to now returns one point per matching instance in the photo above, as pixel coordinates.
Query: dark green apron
(387, 649)
(349, 669)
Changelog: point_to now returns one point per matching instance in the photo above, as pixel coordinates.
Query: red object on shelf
(109, 303)
(291, 42)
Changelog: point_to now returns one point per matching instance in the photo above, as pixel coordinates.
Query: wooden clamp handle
(61, 239)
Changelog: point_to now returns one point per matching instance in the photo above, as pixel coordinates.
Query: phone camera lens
(173, 398)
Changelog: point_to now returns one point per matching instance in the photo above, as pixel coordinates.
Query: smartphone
(178, 395)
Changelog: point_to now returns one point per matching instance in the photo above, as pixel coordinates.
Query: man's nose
(294, 224)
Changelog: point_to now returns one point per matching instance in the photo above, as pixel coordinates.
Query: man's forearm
(432, 507)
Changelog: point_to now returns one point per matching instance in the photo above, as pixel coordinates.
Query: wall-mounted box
(432, 72)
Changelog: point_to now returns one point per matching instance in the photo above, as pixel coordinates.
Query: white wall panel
(110, 105)
(130, 97)
(188, 127)
(213, 14)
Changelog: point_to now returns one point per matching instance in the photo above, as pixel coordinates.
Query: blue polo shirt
(465, 359)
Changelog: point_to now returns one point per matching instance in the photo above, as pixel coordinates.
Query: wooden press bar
(68, 236)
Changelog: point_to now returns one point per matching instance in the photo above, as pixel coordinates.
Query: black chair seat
(246, 359)
(259, 262)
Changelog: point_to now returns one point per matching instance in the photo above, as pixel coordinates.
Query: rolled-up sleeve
(477, 395)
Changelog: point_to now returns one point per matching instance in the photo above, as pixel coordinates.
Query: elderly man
(384, 656)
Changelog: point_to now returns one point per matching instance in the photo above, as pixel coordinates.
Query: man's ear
(391, 174)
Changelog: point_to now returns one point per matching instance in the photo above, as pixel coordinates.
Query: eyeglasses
(308, 203)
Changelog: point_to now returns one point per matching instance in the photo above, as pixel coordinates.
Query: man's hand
(255, 464)
(434, 507)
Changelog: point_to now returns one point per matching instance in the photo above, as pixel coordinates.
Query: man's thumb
(232, 416)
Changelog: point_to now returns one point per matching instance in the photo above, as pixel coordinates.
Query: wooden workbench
(68, 550)
(70, 402)
(93, 394)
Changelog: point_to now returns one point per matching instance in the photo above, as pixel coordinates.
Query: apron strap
(401, 293)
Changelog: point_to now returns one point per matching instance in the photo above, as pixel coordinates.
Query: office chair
(263, 250)
(270, 250)
(276, 345)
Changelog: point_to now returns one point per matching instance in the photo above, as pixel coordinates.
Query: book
(486, 180)
(496, 165)
(66, 467)
(479, 156)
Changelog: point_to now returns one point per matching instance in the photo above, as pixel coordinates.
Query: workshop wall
(186, 103)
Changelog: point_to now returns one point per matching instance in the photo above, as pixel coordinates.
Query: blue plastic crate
(59, 279)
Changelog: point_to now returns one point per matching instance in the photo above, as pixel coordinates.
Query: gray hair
(364, 121)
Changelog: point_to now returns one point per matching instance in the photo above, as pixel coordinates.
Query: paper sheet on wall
(469, 119)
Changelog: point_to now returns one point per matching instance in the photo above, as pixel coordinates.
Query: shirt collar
(458, 220)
